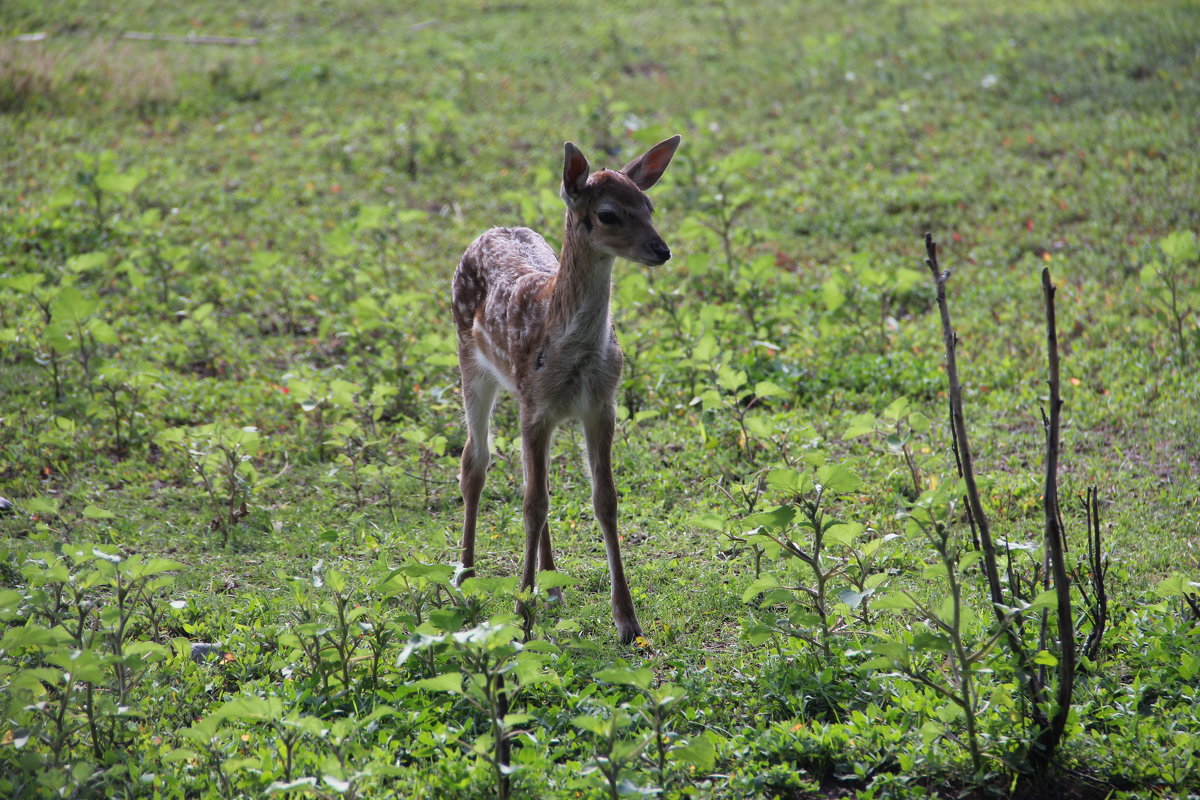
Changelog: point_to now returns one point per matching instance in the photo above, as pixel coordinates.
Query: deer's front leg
(599, 432)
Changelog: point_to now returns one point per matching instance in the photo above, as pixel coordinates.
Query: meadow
(230, 419)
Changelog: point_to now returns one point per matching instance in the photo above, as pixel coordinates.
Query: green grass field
(230, 419)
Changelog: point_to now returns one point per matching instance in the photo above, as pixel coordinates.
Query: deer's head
(610, 207)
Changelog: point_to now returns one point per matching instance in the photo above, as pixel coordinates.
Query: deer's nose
(661, 251)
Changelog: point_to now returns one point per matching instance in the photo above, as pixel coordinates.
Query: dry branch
(1098, 564)
(1032, 684)
(230, 41)
(958, 427)
(1054, 537)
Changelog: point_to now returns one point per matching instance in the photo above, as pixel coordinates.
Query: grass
(264, 236)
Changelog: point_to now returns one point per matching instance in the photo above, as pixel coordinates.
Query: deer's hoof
(629, 630)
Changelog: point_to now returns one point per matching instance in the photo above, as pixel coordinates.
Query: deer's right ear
(575, 173)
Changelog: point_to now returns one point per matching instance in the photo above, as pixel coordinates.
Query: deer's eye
(608, 218)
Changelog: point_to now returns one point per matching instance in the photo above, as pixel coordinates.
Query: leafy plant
(949, 654)
(76, 649)
(1172, 290)
(222, 459)
(900, 422)
(656, 706)
(494, 668)
(808, 603)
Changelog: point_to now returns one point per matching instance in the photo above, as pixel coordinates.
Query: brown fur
(540, 327)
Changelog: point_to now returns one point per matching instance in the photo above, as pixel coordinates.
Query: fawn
(540, 327)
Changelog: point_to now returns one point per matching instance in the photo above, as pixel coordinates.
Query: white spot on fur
(501, 378)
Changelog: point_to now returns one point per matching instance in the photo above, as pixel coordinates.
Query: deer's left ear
(575, 173)
(646, 169)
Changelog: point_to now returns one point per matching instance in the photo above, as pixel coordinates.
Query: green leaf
(896, 409)
(340, 241)
(776, 519)
(10, 603)
(446, 619)
(879, 662)
(512, 720)
(95, 512)
(1047, 600)
(18, 638)
(640, 678)
(832, 295)
(180, 755)
(860, 425)
(739, 162)
(102, 332)
(1170, 587)
(769, 389)
(248, 708)
(759, 633)
(905, 279)
(843, 533)
(1189, 665)
(764, 583)
(970, 559)
(712, 522)
(937, 570)
(925, 641)
(854, 598)
(838, 479)
(446, 682)
(72, 306)
(371, 216)
(170, 436)
(87, 261)
(789, 481)
(760, 426)
(42, 505)
(23, 283)
(1045, 658)
(730, 379)
(83, 665)
(553, 579)
(895, 601)
(120, 183)
(434, 573)
(596, 725)
(698, 751)
(1181, 246)
(895, 652)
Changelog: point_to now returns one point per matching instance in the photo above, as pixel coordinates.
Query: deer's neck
(579, 305)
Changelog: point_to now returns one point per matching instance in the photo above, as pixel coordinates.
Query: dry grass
(64, 74)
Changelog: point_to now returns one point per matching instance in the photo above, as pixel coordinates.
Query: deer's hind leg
(479, 390)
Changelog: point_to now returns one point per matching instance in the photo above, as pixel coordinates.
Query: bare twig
(1032, 683)
(959, 428)
(1099, 569)
(1193, 601)
(230, 41)
(1054, 542)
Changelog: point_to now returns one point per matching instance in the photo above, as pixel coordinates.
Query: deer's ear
(646, 169)
(575, 172)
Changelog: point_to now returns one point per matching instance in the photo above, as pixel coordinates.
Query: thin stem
(1054, 541)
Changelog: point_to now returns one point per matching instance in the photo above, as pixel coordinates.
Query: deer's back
(505, 268)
